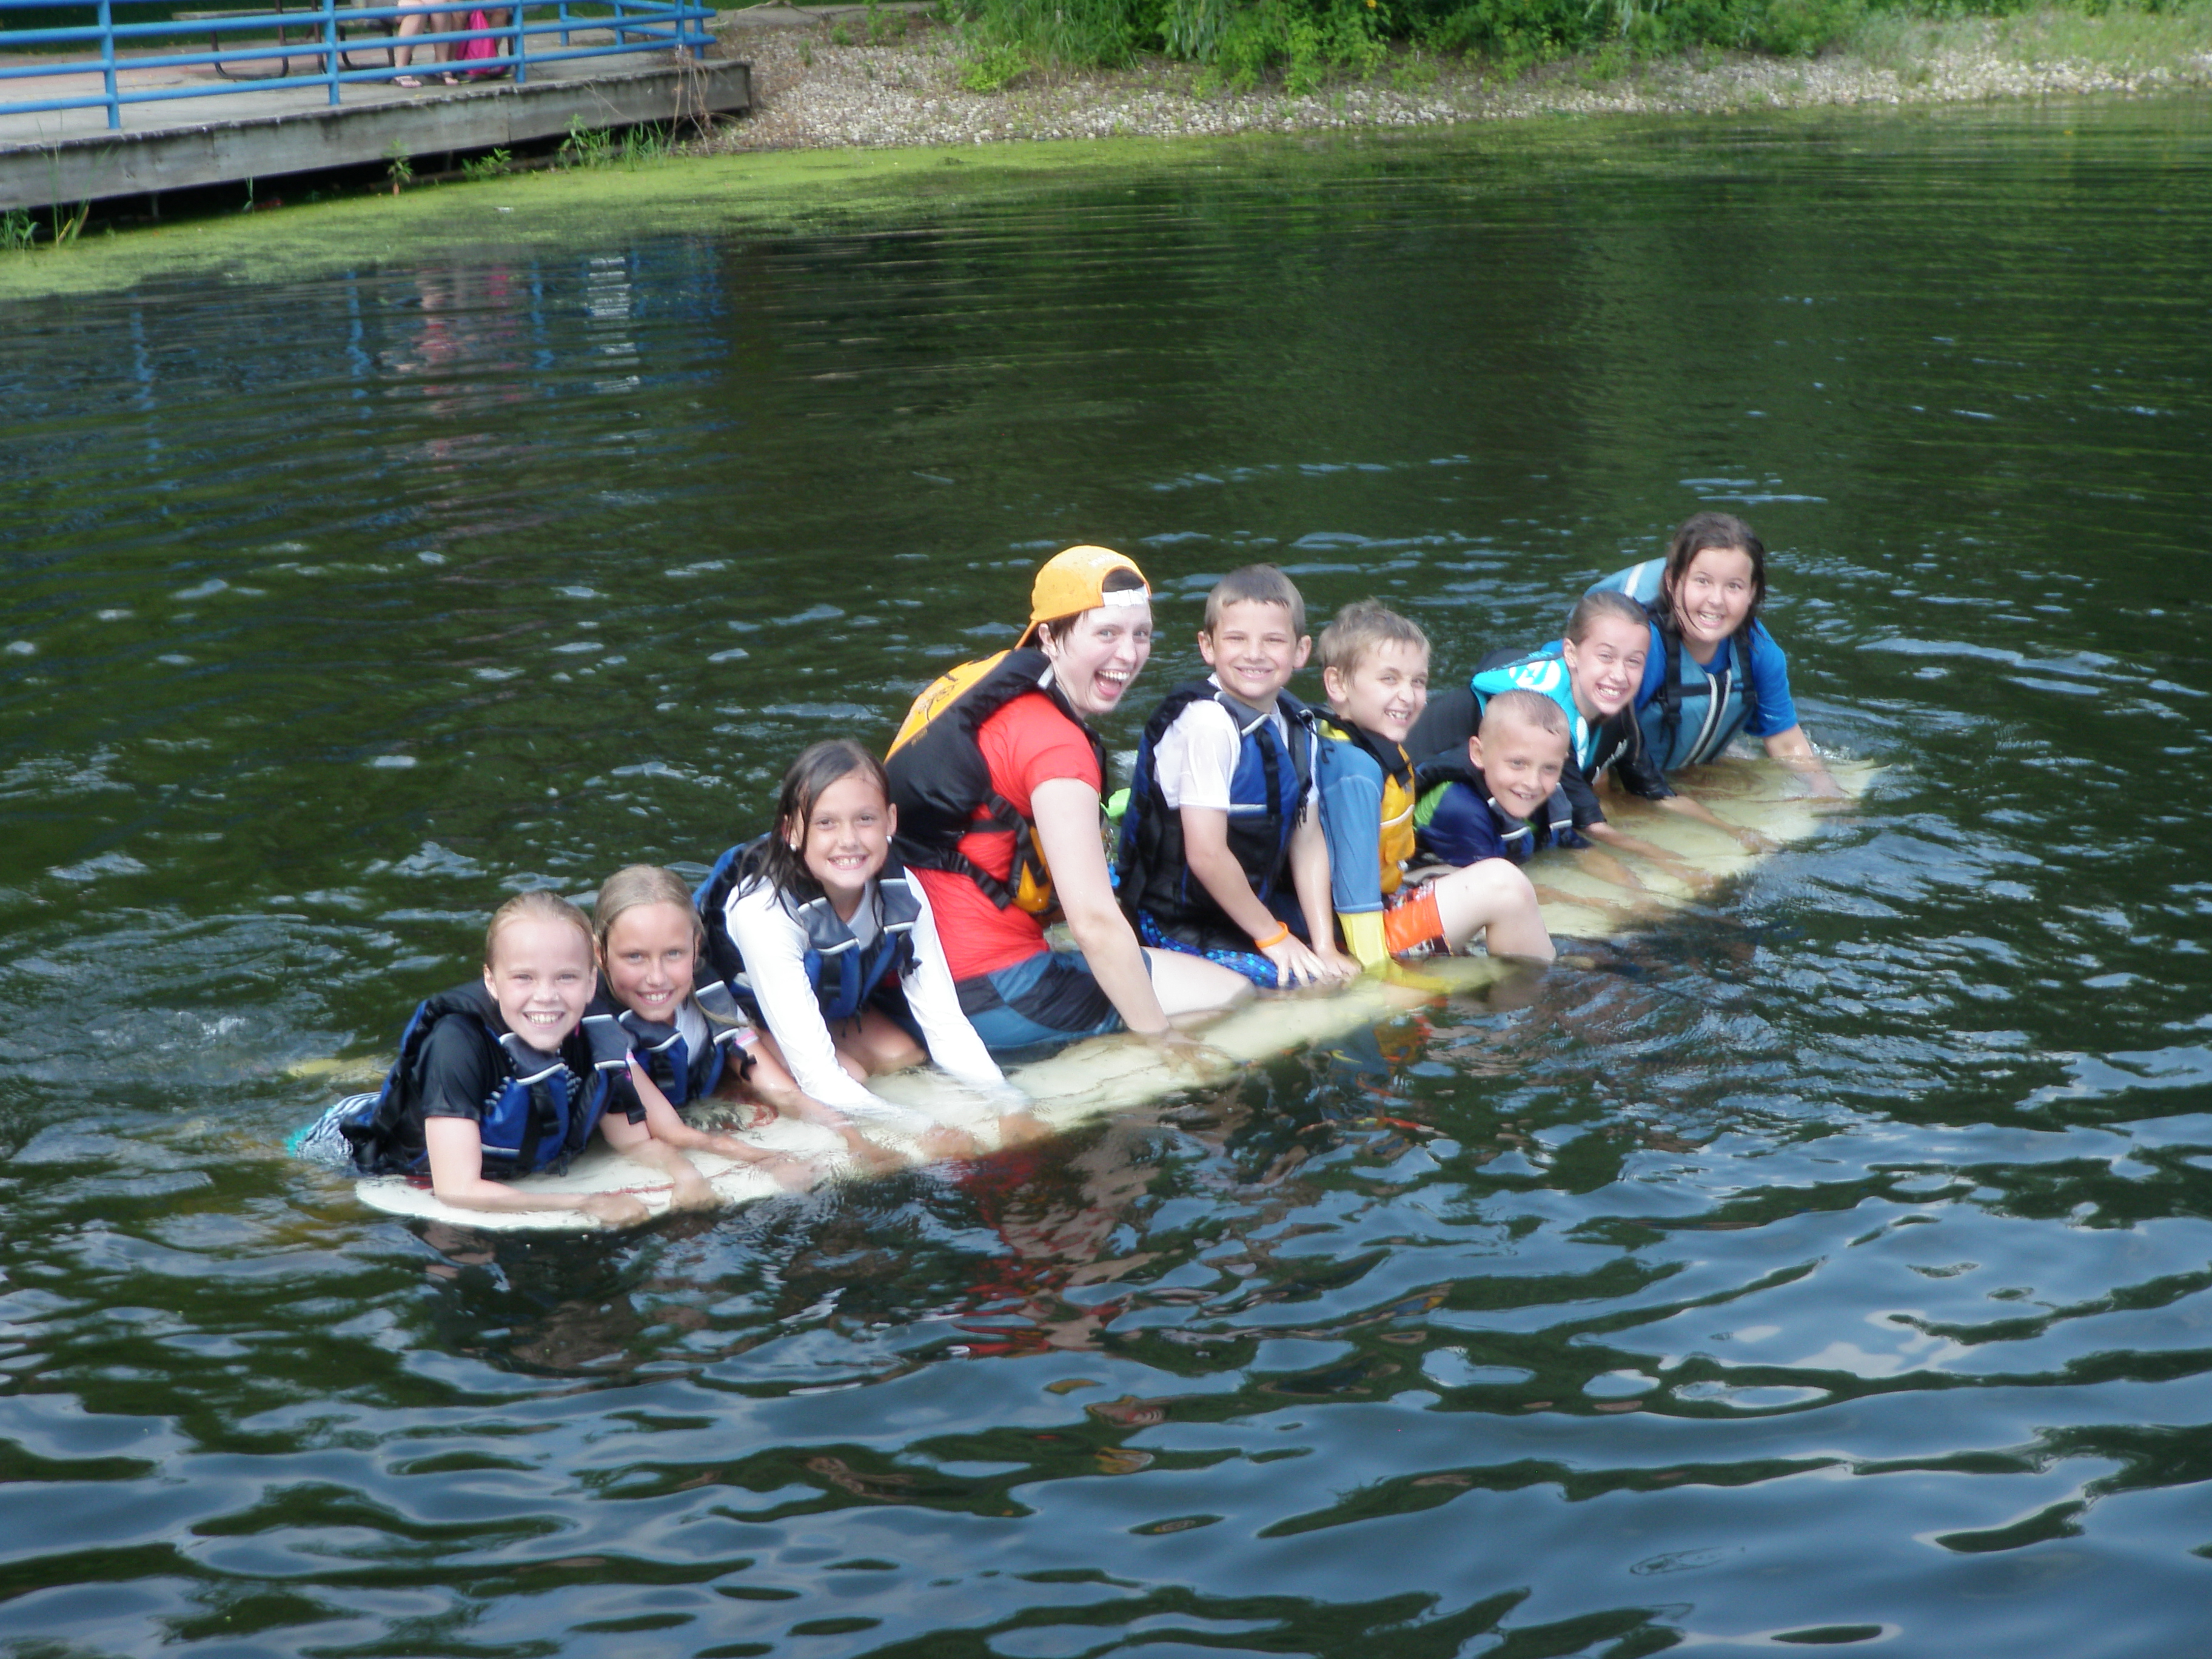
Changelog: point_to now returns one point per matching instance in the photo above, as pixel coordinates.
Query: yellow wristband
(1273, 938)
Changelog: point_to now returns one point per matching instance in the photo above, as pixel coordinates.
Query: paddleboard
(1116, 1074)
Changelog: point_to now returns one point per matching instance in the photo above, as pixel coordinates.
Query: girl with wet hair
(495, 1078)
(648, 938)
(824, 938)
(1713, 670)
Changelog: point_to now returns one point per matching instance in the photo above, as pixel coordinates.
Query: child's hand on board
(1295, 964)
(1337, 968)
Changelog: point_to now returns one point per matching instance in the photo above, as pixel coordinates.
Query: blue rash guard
(1770, 679)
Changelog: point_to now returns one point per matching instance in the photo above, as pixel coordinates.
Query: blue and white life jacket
(846, 978)
(1152, 873)
(665, 1054)
(540, 1114)
(1697, 710)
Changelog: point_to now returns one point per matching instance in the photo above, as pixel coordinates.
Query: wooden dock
(62, 158)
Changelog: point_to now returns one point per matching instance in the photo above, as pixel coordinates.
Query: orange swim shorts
(1412, 926)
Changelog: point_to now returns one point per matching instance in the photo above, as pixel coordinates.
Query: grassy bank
(883, 82)
(2125, 39)
(1237, 44)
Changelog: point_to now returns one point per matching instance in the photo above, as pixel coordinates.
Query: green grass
(2119, 36)
(1304, 43)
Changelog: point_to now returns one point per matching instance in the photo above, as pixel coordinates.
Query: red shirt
(1027, 742)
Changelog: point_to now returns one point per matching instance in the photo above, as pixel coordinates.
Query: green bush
(1799, 28)
(1061, 32)
(1237, 42)
(990, 66)
(1308, 37)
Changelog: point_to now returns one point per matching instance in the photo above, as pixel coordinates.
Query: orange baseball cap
(1075, 580)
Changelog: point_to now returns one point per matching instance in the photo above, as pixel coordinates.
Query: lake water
(1832, 1266)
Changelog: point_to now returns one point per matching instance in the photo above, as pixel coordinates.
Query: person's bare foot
(871, 1158)
(691, 1192)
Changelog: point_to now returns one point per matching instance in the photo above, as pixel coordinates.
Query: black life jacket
(1266, 792)
(1696, 711)
(846, 978)
(680, 1075)
(1523, 837)
(941, 783)
(538, 1116)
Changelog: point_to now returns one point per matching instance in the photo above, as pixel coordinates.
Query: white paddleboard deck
(1114, 1073)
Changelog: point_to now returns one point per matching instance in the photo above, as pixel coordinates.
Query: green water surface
(1829, 1266)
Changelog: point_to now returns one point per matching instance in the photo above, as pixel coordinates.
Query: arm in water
(455, 1146)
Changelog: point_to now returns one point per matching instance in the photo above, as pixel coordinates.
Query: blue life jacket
(1523, 837)
(1152, 873)
(538, 1116)
(1696, 711)
(845, 978)
(681, 1076)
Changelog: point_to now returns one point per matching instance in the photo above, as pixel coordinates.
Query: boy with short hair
(1502, 799)
(1375, 668)
(1221, 855)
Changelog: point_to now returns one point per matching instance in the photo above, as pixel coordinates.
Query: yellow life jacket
(1401, 795)
(942, 785)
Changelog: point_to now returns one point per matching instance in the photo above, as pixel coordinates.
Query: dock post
(521, 57)
(108, 65)
(331, 47)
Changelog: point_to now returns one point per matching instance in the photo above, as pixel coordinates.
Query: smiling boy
(1502, 800)
(1220, 856)
(1375, 668)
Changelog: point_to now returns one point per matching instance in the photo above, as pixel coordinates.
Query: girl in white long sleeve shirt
(832, 934)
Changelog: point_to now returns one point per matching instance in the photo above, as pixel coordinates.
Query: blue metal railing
(333, 32)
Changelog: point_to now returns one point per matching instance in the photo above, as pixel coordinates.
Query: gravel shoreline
(813, 94)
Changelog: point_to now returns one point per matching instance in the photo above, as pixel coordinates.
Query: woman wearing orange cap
(997, 777)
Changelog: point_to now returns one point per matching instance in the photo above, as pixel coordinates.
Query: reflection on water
(1823, 1268)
